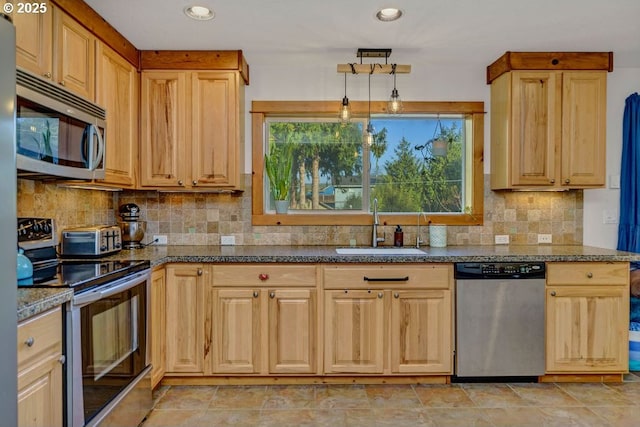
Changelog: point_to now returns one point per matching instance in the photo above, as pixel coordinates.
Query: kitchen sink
(380, 251)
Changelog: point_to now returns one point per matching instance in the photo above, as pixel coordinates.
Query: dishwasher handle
(386, 279)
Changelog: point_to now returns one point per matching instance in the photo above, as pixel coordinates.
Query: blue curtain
(629, 228)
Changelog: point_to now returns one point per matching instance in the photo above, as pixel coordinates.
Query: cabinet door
(34, 40)
(421, 332)
(354, 331)
(163, 133)
(117, 92)
(587, 328)
(584, 114)
(236, 330)
(184, 318)
(292, 331)
(215, 134)
(535, 127)
(74, 55)
(40, 394)
(157, 325)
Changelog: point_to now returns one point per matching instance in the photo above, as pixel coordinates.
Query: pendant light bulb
(345, 110)
(394, 105)
(369, 134)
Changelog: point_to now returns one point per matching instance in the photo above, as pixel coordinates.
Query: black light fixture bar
(373, 53)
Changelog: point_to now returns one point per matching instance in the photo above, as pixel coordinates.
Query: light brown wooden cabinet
(157, 325)
(373, 311)
(587, 308)
(185, 305)
(191, 129)
(40, 363)
(55, 46)
(548, 128)
(264, 319)
(118, 92)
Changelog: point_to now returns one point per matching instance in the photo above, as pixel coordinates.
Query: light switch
(609, 216)
(614, 181)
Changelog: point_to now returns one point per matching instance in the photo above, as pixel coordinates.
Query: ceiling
(448, 32)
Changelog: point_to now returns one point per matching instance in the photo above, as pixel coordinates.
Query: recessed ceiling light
(200, 13)
(389, 14)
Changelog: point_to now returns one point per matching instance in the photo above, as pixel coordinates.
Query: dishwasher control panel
(499, 270)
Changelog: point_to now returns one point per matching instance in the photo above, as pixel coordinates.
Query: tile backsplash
(201, 218)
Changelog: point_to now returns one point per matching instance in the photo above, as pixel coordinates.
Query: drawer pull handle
(180, 182)
(380, 294)
(396, 295)
(199, 272)
(386, 279)
(589, 275)
(552, 181)
(263, 276)
(194, 182)
(567, 181)
(553, 293)
(47, 75)
(272, 294)
(30, 341)
(256, 294)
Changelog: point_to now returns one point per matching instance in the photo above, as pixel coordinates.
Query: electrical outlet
(544, 238)
(502, 239)
(227, 240)
(160, 239)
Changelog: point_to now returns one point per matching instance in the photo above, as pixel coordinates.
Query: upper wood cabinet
(55, 46)
(118, 92)
(191, 130)
(548, 124)
(587, 307)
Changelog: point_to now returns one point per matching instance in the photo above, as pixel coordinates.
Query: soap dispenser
(398, 237)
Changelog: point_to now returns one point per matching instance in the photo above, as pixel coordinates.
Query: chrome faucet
(376, 221)
(418, 238)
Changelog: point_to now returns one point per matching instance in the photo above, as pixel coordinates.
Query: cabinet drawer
(39, 336)
(264, 275)
(588, 273)
(436, 276)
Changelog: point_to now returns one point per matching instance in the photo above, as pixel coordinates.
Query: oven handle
(116, 287)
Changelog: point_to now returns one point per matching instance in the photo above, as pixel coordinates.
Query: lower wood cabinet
(40, 363)
(587, 317)
(185, 305)
(373, 311)
(268, 328)
(157, 325)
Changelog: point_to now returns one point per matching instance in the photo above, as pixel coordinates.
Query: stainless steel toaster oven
(91, 241)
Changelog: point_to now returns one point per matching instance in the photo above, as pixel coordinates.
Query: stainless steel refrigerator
(8, 237)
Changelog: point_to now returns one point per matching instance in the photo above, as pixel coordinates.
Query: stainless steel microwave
(58, 134)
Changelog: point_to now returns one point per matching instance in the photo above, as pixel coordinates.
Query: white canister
(438, 236)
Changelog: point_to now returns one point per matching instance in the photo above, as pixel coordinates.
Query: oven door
(108, 346)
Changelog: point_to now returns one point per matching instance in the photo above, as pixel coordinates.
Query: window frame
(260, 110)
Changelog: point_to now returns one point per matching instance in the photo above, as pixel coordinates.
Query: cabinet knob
(589, 275)
(552, 181)
(396, 295)
(199, 272)
(380, 294)
(272, 294)
(30, 341)
(346, 291)
(194, 182)
(567, 181)
(263, 276)
(180, 182)
(47, 75)
(62, 360)
(256, 294)
(61, 82)
(553, 293)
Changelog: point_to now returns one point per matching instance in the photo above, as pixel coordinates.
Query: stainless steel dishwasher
(500, 319)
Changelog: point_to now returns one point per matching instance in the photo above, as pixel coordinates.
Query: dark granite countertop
(34, 301)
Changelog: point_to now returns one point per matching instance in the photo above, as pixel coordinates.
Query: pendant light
(394, 106)
(345, 110)
(368, 136)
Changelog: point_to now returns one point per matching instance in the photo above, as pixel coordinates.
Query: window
(428, 159)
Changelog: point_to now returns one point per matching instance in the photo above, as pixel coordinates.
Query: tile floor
(472, 404)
